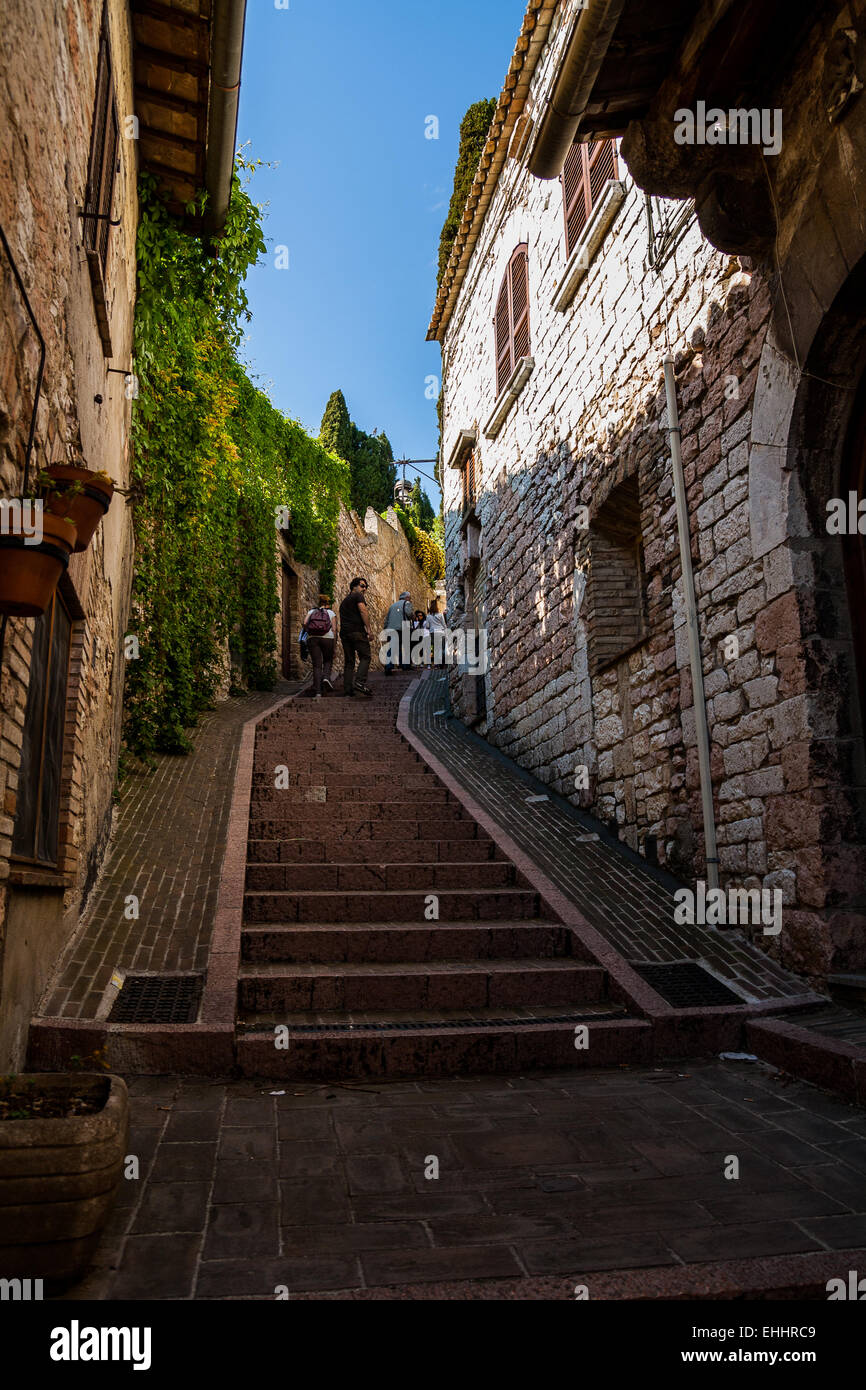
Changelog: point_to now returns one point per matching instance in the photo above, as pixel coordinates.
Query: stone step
(356, 851)
(357, 761)
(371, 942)
(350, 878)
(279, 989)
(370, 783)
(266, 796)
(277, 806)
(501, 904)
(318, 822)
(443, 1043)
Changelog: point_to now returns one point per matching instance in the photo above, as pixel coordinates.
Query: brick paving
(625, 899)
(558, 1178)
(167, 848)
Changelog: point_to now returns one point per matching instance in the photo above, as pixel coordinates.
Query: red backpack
(319, 623)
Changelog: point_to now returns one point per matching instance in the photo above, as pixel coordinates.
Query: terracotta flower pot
(59, 1177)
(29, 573)
(81, 496)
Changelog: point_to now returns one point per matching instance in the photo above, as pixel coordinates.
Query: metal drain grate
(685, 985)
(158, 999)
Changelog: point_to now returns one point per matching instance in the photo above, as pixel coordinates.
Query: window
(614, 606)
(511, 324)
(101, 173)
(36, 834)
(469, 482)
(588, 170)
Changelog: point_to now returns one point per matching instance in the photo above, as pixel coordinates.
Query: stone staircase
(346, 969)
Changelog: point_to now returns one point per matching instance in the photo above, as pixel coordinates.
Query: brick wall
(47, 83)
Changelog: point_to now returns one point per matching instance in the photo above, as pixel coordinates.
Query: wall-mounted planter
(29, 573)
(59, 1176)
(81, 496)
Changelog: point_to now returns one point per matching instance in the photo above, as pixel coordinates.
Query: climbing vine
(426, 551)
(213, 462)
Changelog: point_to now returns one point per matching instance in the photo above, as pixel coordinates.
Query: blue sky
(336, 93)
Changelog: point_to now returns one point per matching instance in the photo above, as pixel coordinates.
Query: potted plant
(30, 569)
(81, 496)
(63, 1140)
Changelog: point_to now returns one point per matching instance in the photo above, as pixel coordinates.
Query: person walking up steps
(355, 637)
(320, 626)
(398, 627)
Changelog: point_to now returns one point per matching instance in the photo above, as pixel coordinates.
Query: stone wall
(47, 83)
(588, 431)
(376, 549)
(379, 551)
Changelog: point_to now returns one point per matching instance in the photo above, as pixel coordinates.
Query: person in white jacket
(434, 623)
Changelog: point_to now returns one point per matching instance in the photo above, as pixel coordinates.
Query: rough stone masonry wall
(763, 441)
(587, 420)
(379, 551)
(376, 549)
(47, 83)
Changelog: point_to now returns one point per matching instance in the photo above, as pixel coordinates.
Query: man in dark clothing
(355, 637)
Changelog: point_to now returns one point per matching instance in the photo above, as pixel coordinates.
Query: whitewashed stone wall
(588, 418)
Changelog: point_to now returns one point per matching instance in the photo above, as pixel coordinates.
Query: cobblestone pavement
(557, 1177)
(167, 849)
(619, 894)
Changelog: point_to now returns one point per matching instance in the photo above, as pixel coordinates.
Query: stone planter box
(59, 1177)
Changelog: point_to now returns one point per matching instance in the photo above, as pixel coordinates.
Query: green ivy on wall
(474, 130)
(213, 461)
(427, 553)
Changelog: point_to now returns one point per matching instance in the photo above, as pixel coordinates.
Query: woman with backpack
(320, 625)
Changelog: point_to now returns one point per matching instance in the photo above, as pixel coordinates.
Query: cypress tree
(336, 431)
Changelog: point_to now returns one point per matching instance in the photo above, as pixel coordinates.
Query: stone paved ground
(167, 848)
(617, 893)
(559, 1176)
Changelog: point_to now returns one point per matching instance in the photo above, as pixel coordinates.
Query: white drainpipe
(694, 634)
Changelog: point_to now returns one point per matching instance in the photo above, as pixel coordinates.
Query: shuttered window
(469, 482)
(102, 165)
(511, 324)
(35, 837)
(588, 169)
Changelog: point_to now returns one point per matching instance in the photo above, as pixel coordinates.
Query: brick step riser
(378, 851)
(446, 1053)
(372, 785)
(317, 821)
(312, 746)
(281, 805)
(373, 945)
(306, 757)
(433, 878)
(472, 989)
(380, 907)
(349, 800)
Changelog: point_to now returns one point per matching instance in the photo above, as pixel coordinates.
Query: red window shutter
(520, 304)
(503, 337)
(602, 168)
(588, 168)
(574, 195)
